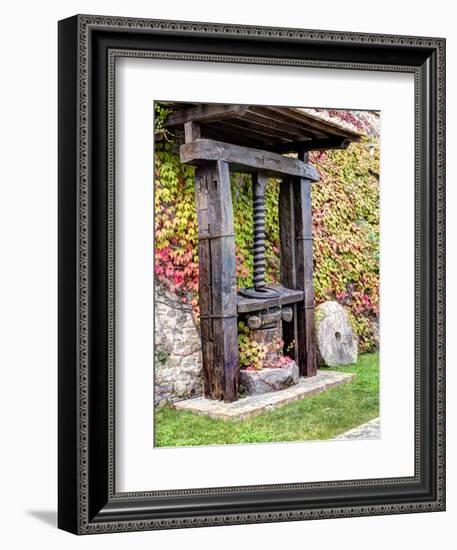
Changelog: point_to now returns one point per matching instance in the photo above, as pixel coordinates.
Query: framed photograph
(251, 274)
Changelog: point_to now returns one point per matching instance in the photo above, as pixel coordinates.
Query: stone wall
(177, 365)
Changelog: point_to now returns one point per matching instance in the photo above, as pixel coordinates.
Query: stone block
(269, 380)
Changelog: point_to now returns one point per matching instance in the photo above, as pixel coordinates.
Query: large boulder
(336, 340)
(270, 379)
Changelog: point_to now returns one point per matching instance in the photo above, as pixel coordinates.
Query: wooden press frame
(217, 258)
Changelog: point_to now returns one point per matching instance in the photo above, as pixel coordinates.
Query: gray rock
(269, 380)
(336, 340)
(181, 388)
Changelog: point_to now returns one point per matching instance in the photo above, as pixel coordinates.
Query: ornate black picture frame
(88, 501)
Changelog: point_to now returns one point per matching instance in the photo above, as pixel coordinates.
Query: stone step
(257, 404)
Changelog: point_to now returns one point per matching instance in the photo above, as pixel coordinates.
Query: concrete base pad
(257, 404)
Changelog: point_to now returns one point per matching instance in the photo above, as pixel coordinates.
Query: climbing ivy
(176, 231)
(345, 227)
(346, 234)
(252, 354)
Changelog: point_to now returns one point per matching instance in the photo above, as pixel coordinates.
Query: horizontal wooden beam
(286, 296)
(245, 159)
(204, 113)
(312, 145)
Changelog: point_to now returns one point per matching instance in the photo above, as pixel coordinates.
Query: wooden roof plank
(282, 119)
(330, 125)
(296, 131)
(271, 127)
(204, 113)
(281, 129)
(213, 131)
(328, 128)
(247, 128)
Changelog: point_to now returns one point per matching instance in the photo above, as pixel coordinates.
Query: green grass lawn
(320, 417)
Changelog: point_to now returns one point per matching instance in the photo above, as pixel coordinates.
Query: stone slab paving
(369, 430)
(257, 404)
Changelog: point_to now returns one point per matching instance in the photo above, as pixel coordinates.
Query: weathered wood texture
(283, 118)
(245, 159)
(277, 129)
(304, 269)
(297, 269)
(285, 296)
(192, 131)
(205, 113)
(288, 273)
(217, 282)
(312, 145)
(290, 116)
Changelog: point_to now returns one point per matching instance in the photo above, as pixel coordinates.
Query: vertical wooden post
(217, 282)
(288, 269)
(297, 268)
(192, 131)
(304, 268)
